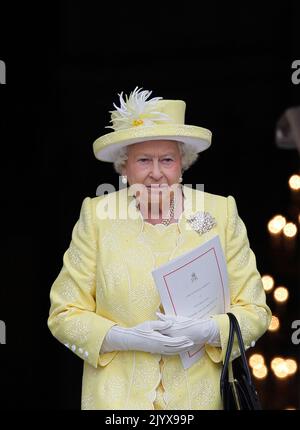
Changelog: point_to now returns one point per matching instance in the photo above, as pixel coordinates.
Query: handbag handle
(234, 329)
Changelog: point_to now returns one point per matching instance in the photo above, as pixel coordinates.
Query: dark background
(65, 62)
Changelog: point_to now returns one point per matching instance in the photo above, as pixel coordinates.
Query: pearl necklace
(165, 221)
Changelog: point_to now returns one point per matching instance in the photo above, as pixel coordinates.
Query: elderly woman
(105, 306)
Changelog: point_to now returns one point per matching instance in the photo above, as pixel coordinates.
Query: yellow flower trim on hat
(137, 122)
(136, 110)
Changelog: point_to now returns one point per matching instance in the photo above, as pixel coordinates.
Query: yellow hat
(139, 119)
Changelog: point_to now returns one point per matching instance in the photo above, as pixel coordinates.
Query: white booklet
(195, 285)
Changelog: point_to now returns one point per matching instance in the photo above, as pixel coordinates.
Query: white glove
(200, 331)
(145, 337)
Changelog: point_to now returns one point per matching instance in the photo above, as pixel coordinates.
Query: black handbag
(237, 389)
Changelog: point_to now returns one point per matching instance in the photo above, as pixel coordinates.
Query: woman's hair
(188, 157)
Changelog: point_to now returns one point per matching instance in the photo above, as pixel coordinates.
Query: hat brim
(107, 147)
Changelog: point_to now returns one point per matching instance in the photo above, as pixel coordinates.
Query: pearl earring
(124, 179)
(180, 179)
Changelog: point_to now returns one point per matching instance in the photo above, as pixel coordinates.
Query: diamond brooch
(202, 222)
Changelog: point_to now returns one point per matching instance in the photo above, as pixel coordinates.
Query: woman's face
(153, 163)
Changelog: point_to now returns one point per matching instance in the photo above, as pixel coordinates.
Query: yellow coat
(106, 279)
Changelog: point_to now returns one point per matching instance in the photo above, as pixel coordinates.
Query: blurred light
(281, 294)
(294, 182)
(268, 282)
(281, 370)
(291, 366)
(290, 229)
(276, 361)
(276, 224)
(275, 324)
(290, 408)
(256, 361)
(260, 372)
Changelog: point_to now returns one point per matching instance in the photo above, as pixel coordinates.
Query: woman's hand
(145, 337)
(200, 331)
